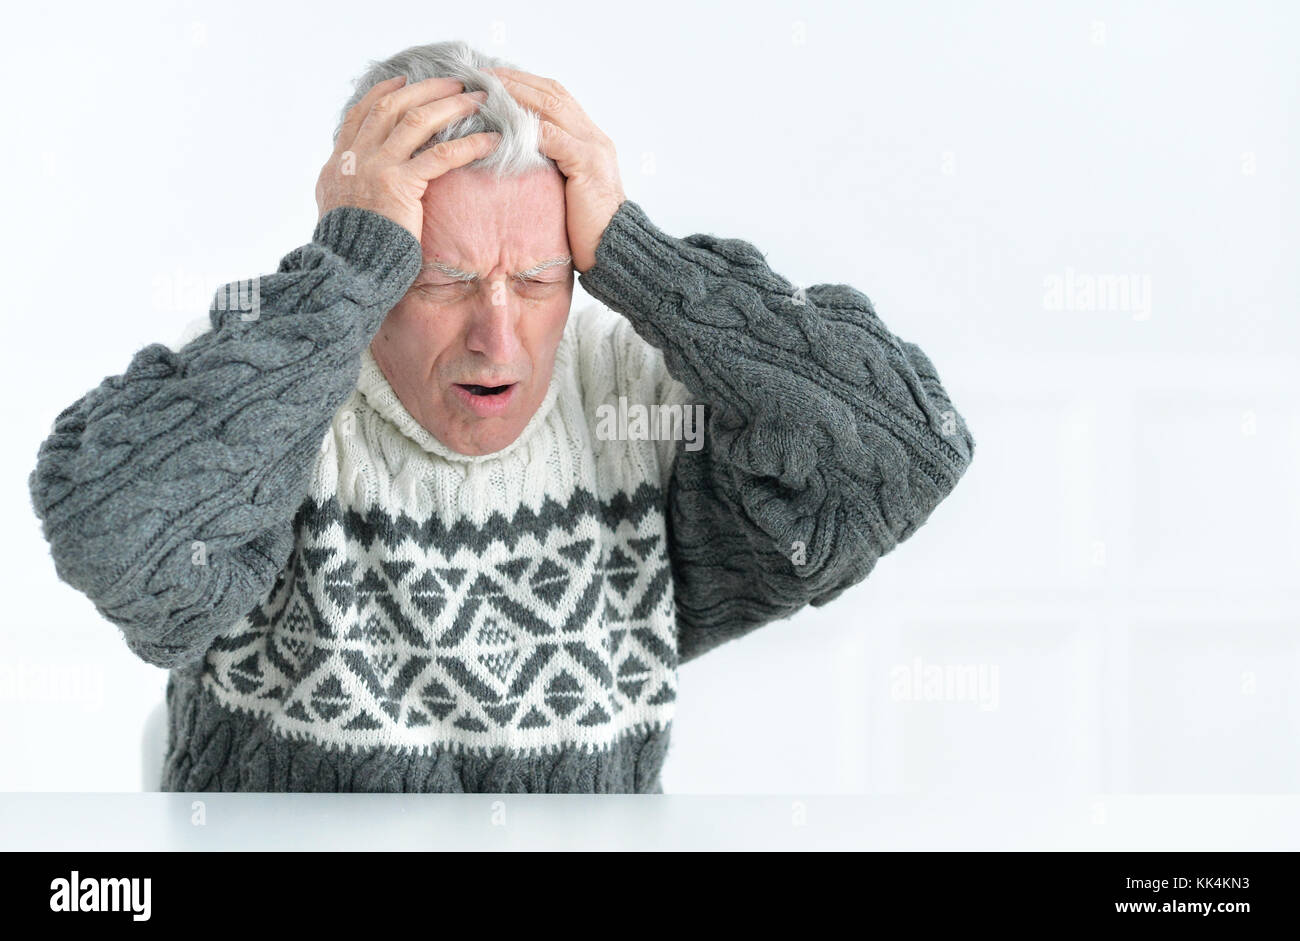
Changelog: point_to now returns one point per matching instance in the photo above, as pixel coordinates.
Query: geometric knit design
(545, 630)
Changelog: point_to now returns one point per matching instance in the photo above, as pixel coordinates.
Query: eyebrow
(461, 275)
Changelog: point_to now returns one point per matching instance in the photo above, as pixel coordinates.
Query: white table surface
(214, 821)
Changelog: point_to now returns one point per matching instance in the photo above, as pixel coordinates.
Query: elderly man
(409, 523)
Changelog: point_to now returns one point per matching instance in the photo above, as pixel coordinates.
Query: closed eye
(445, 290)
(536, 287)
(450, 291)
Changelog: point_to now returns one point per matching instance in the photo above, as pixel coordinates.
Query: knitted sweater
(344, 603)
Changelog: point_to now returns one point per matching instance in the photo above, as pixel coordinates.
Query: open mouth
(486, 401)
(484, 390)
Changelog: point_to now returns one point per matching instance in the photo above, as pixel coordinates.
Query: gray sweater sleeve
(828, 440)
(167, 494)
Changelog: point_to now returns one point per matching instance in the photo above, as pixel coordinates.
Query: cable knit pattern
(210, 445)
(374, 611)
(829, 439)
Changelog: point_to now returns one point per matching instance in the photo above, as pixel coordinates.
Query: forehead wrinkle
(461, 274)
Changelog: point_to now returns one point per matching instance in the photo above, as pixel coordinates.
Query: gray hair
(518, 152)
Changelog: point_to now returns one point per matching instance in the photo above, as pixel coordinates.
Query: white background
(1119, 561)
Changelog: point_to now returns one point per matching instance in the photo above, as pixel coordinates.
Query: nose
(492, 326)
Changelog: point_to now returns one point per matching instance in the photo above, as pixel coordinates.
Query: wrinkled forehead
(470, 217)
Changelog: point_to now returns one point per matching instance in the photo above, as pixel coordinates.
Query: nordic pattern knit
(346, 604)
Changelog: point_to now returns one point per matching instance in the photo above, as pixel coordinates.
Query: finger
(422, 122)
(549, 85)
(389, 108)
(549, 99)
(446, 156)
(567, 151)
(356, 114)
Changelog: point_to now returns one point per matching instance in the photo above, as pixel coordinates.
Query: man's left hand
(593, 190)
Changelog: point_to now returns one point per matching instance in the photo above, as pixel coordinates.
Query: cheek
(544, 329)
(417, 333)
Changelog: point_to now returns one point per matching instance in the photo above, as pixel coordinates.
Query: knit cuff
(637, 264)
(375, 246)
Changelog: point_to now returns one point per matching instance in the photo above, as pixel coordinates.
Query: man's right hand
(372, 167)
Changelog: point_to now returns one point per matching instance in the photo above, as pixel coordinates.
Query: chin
(484, 442)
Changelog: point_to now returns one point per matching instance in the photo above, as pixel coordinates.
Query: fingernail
(479, 95)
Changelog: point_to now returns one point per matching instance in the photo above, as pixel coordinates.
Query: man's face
(471, 360)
